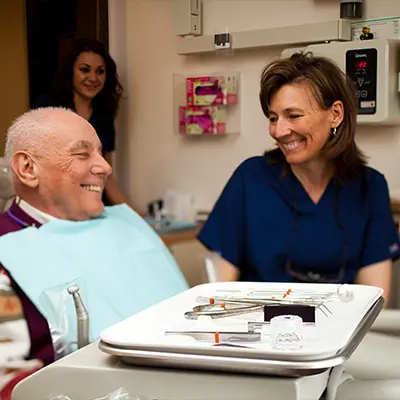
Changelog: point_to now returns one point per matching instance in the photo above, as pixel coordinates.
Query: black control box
(307, 313)
(362, 68)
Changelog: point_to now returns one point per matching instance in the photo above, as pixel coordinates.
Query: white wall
(151, 156)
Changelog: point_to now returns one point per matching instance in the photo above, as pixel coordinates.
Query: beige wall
(13, 66)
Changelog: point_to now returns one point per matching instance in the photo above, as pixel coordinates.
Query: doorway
(14, 98)
(52, 25)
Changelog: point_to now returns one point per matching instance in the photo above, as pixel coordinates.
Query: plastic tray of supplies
(142, 339)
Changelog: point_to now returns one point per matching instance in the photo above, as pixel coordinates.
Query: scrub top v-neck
(264, 217)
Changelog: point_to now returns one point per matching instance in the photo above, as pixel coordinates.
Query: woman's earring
(334, 131)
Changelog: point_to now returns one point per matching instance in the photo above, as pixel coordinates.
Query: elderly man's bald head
(40, 131)
(57, 164)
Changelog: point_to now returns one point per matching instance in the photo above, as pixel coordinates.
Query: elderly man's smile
(93, 188)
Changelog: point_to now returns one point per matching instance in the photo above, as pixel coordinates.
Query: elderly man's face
(72, 178)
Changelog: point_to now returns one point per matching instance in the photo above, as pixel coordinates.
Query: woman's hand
(224, 270)
(379, 274)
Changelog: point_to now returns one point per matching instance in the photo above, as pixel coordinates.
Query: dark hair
(327, 84)
(108, 99)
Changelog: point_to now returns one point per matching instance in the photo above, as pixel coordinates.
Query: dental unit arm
(82, 316)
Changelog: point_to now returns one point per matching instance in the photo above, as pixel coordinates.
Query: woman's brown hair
(327, 84)
(107, 101)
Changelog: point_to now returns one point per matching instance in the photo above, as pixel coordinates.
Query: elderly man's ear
(25, 168)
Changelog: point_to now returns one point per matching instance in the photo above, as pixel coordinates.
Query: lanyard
(17, 220)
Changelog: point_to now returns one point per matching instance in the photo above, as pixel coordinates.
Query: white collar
(33, 212)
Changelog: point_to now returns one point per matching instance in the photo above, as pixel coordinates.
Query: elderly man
(58, 233)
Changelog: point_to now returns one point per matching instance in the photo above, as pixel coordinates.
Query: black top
(103, 124)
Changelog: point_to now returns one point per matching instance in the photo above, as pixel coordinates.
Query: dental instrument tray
(224, 327)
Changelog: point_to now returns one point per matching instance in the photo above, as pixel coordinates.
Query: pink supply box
(202, 120)
(211, 90)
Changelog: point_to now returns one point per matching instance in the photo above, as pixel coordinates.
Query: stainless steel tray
(237, 361)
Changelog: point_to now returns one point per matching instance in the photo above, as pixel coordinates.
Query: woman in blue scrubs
(87, 82)
(309, 210)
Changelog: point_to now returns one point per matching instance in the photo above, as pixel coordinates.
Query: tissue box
(202, 120)
(211, 90)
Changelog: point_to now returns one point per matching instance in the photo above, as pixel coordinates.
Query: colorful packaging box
(202, 120)
(211, 90)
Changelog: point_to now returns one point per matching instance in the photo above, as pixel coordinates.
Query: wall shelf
(320, 32)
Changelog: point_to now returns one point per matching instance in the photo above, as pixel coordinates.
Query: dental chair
(375, 364)
(6, 189)
(368, 364)
(378, 356)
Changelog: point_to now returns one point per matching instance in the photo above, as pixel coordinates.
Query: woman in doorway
(87, 82)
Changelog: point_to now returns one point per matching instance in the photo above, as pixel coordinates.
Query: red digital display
(361, 64)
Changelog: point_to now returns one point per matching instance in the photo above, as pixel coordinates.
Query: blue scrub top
(254, 226)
